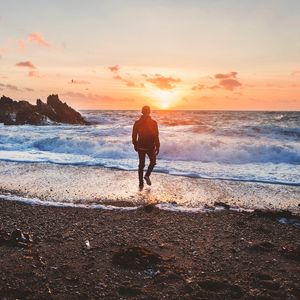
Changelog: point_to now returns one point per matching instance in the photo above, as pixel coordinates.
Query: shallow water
(44, 183)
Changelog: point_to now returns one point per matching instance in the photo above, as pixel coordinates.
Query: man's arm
(157, 142)
(134, 135)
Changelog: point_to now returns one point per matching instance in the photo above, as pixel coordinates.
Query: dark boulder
(63, 112)
(22, 112)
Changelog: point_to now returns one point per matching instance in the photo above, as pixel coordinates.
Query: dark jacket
(145, 134)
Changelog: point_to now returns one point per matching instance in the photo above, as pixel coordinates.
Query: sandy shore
(221, 255)
(96, 185)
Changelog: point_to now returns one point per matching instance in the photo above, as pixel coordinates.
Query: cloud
(230, 84)
(29, 89)
(89, 96)
(226, 81)
(162, 82)
(203, 86)
(295, 73)
(114, 69)
(26, 64)
(34, 74)
(128, 82)
(38, 39)
(74, 81)
(93, 99)
(21, 44)
(199, 87)
(10, 87)
(226, 75)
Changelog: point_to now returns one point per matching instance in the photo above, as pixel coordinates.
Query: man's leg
(152, 156)
(142, 156)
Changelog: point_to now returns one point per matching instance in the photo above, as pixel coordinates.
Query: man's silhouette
(145, 138)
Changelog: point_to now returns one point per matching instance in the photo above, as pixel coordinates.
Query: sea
(231, 145)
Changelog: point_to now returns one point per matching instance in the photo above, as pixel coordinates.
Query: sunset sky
(192, 54)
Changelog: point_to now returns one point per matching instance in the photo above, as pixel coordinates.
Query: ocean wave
(188, 148)
(189, 142)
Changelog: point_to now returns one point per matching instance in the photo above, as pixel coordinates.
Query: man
(146, 141)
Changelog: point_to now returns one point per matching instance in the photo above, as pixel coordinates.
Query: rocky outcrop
(22, 112)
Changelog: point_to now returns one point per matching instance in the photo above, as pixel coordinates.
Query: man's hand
(157, 151)
(135, 148)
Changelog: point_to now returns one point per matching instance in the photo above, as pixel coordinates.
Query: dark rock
(16, 238)
(30, 117)
(22, 112)
(63, 112)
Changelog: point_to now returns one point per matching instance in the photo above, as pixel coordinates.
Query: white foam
(36, 201)
(162, 206)
(79, 185)
(246, 146)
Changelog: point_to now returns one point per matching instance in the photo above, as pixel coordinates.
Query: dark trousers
(142, 156)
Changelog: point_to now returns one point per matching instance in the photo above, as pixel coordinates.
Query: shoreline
(102, 186)
(158, 171)
(201, 255)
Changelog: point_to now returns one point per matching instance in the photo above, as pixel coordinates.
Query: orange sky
(168, 54)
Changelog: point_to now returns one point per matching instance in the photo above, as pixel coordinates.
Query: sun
(163, 98)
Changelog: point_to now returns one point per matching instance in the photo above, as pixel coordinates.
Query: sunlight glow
(164, 98)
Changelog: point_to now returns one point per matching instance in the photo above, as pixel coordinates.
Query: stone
(22, 112)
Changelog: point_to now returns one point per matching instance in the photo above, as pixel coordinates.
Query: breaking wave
(237, 145)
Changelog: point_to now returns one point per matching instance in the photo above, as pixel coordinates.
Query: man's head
(146, 110)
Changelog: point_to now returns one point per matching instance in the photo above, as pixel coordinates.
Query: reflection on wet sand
(95, 185)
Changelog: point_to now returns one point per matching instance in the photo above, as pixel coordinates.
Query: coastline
(201, 255)
(90, 185)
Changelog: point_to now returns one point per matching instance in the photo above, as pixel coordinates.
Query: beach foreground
(79, 253)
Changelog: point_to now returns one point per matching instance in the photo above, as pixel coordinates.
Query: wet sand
(96, 185)
(220, 255)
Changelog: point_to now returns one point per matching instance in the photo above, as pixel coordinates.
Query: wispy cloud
(10, 87)
(88, 97)
(29, 89)
(95, 100)
(21, 44)
(33, 38)
(26, 64)
(128, 82)
(229, 84)
(162, 82)
(114, 69)
(38, 39)
(226, 81)
(203, 86)
(295, 73)
(35, 74)
(225, 75)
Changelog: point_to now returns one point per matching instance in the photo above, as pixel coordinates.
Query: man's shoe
(147, 179)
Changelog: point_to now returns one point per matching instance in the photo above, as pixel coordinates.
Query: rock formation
(22, 112)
